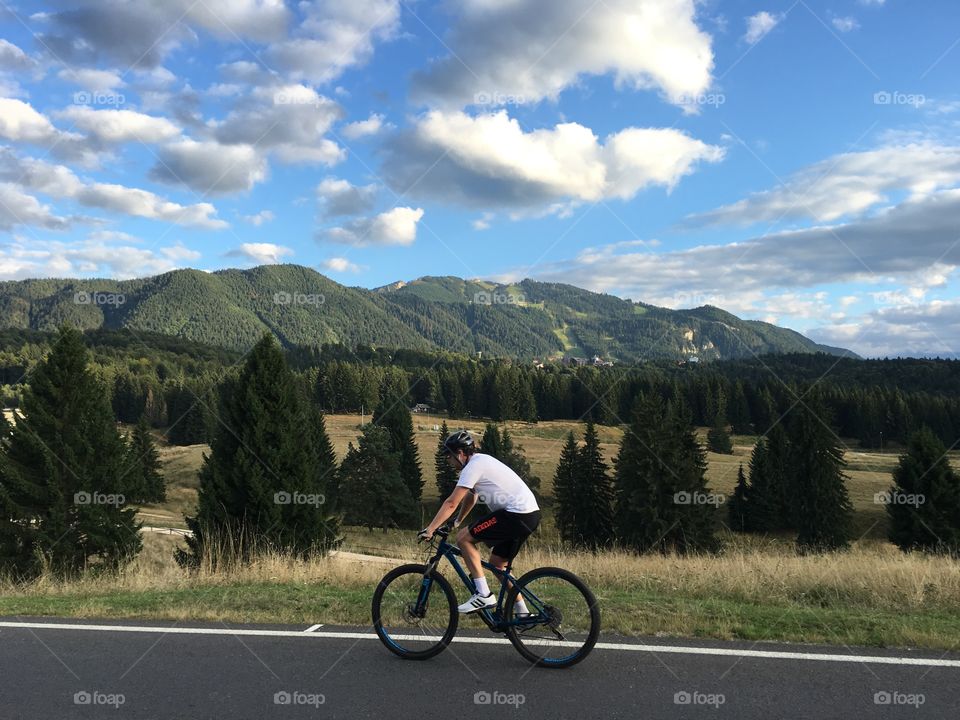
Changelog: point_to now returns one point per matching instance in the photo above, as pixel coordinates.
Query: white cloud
(262, 253)
(21, 123)
(59, 182)
(914, 244)
(101, 81)
(489, 161)
(260, 218)
(917, 330)
(362, 128)
(527, 50)
(334, 36)
(13, 58)
(397, 226)
(340, 265)
(19, 208)
(845, 24)
(482, 222)
(117, 126)
(210, 167)
(93, 257)
(759, 25)
(847, 184)
(340, 197)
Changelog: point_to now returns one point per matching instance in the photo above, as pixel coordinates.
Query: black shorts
(505, 532)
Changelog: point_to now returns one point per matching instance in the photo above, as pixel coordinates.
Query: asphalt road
(56, 670)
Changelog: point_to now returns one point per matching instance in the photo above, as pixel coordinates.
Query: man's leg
(500, 563)
(471, 556)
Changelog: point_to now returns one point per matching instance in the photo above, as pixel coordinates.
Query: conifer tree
(374, 493)
(143, 465)
(566, 491)
(823, 509)
(924, 502)
(595, 491)
(718, 438)
(62, 472)
(446, 476)
(660, 482)
(737, 506)
(264, 484)
(393, 414)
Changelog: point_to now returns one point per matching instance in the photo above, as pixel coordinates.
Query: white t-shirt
(496, 485)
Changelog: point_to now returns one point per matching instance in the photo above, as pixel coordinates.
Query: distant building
(421, 408)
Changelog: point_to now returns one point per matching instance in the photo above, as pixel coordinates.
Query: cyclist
(514, 515)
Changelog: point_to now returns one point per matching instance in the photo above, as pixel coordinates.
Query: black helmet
(458, 440)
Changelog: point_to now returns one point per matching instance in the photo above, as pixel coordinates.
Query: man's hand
(425, 534)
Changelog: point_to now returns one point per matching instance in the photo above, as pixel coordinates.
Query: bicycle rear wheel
(564, 622)
(412, 630)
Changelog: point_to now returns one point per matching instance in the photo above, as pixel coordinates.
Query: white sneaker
(478, 602)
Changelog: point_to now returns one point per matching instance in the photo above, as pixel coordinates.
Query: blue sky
(796, 162)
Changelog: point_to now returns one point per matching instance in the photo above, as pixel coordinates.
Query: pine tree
(924, 502)
(823, 506)
(144, 467)
(513, 456)
(393, 414)
(446, 476)
(490, 443)
(718, 438)
(737, 506)
(595, 492)
(62, 472)
(374, 493)
(262, 486)
(187, 405)
(660, 465)
(566, 491)
(762, 500)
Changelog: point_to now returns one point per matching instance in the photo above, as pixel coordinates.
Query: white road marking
(627, 647)
(313, 627)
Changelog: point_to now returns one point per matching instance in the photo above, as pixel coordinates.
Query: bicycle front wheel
(413, 615)
(564, 620)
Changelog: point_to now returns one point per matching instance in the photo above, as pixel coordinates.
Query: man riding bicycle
(514, 515)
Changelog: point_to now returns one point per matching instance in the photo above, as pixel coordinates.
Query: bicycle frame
(492, 617)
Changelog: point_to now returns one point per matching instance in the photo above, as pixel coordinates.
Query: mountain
(232, 308)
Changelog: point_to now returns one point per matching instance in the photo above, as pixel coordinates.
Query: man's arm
(449, 506)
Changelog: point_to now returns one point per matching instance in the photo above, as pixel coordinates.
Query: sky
(794, 162)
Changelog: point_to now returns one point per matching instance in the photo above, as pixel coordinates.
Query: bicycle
(413, 623)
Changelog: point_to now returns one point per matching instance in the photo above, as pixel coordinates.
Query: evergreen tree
(143, 466)
(595, 491)
(660, 484)
(393, 414)
(762, 499)
(513, 456)
(738, 410)
(823, 506)
(374, 492)
(262, 486)
(490, 443)
(62, 472)
(924, 502)
(718, 438)
(446, 476)
(187, 404)
(737, 506)
(566, 491)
